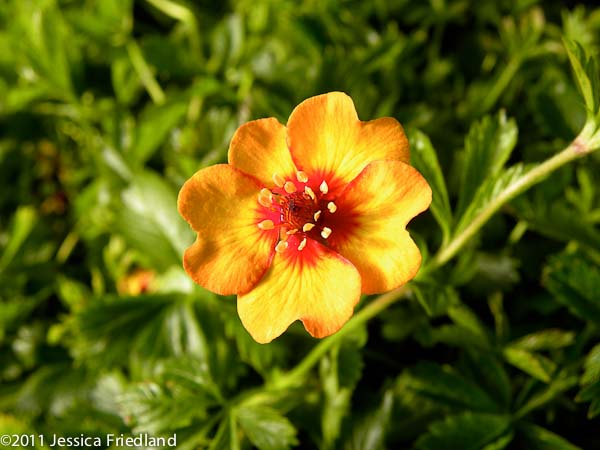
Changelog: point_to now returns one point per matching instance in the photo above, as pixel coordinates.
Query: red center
(297, 209)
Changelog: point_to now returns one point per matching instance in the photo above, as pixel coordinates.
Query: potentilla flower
(306, 217)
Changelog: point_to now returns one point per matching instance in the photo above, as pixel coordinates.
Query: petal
(326, 139)
(259, 148)
(314, 285)
(370, 221)
(231, 253)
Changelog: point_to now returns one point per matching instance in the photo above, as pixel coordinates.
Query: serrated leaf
(266, 428)
(467, 431)
(537, 366)
(575, 283)
(448, 388)
(586, 74)
(154, 408)
(489, 373)
(424, 158)
(487, 148)
(542, 439)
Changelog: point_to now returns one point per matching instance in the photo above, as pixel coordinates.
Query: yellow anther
(332, 207)
(326, 232)
(302, 244)
(301, 176)
(310, 192)
(307, 227)
(323, 187)
(317, 215)
(292, 231)
(266, 225)
(265, 197)
(289, 187)
(281, 246)
(278, 180)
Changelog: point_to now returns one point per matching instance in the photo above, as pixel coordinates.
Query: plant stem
(577, 149)
(371, 310)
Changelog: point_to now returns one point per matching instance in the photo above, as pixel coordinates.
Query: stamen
(326, 232)
(278, 180)
(317, 215)
(310, 192)
(289, 187)
(332, 207)
(281, 246)
(323, 187)
(302, 244)
(301, 176)
(290, 232)
(266, 225)
(265, 197)
(307, 227)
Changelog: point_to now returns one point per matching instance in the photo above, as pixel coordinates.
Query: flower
(306, 217)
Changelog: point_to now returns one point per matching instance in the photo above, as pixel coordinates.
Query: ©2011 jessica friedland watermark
(119, 440)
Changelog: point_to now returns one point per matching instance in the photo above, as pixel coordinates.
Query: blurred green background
(108, 106)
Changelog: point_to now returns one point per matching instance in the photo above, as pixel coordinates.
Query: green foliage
(107, 107)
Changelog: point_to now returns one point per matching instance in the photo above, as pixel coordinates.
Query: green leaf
(591, 366)
(370, 432)
(446, 387)
(487, 370)
(590, 380)
(537, 366)
(436, 299)
(591, 393)
(155, 409)
(23, 223)
(339, 372)
(266, 428)
(542, 439)
(424, 158)
(586, 75)
(467, 431)
(151, 223)
(575, 283)
(487, 148)
(154, 125)
(549, 339)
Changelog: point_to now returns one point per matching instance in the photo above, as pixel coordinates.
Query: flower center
(296, 210)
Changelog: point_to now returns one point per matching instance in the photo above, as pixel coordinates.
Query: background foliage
(107, 106)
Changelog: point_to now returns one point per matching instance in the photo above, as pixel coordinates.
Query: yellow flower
(305, 217)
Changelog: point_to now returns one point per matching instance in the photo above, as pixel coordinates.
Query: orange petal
(370, 221)
(259, 148)
(314, 285)
(327, 139)
(231, 253)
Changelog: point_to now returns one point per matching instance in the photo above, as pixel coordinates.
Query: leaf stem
(577, 149)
